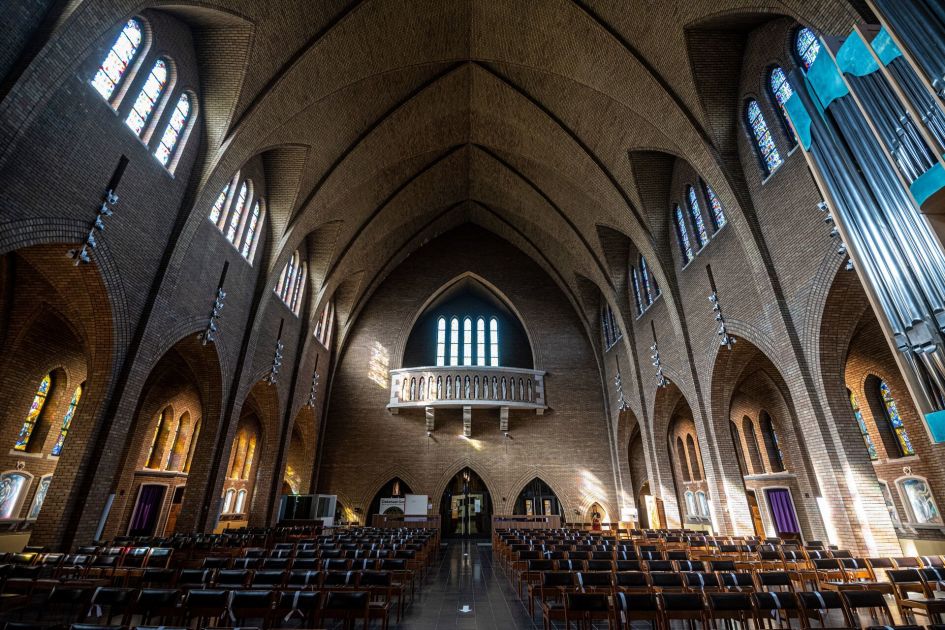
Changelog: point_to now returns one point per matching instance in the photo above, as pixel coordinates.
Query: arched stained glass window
(217, 208)
(895, 421)
(148, 97)
(855, 405)
(119, 57)
(236, 212)
(480, 341)
(291, 283)
(696, 213)
(173, 130)
(494, 342)
(645, 282)
(682, 235)
(33, 415)
(764, 144)
(467, 341)
(249, 239)
(67, 420)
(454, 341)
(441, 341)
(806, 46)
(717, 213)
(635, 285)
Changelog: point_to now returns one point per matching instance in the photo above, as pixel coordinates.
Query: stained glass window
(251, 228)
(635, 282)
(32, 417)
(715, 204)
(217, 208)
(173, 130)
(122, 52)
(682, 235)
(921, 500)
(494, 342)
(454, 341)
(236, 212)
(441, 341)
(67, 421)
(480, 341)
(645, 282)
(291, 284)
(763, 141)
(696, 213)
(807, 46)
(870, 447)
(467, 341)
(148, 97)
(39, 497)
(12, 486)
(895, 421)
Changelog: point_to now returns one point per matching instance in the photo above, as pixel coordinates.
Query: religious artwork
(895, 421)
(67, 421)
(32, 416)
(870, 447)
(11, 487)
(718, 213)
(119, 57)
(807, 47)
(696, 213)
(39, 497)
(763, 141)
(921, 501)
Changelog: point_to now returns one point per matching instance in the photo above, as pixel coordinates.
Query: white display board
(394, 505)
(416, 504)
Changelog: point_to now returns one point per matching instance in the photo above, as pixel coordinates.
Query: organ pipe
(873, 134)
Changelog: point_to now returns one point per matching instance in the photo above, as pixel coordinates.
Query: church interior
(472, 313)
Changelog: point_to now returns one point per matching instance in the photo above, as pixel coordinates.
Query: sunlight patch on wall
(379, 365)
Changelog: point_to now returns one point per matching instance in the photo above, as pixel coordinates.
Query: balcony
(467, 387)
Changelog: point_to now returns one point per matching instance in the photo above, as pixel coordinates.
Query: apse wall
(568, 447)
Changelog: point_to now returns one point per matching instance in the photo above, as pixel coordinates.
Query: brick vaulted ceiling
(386, 122)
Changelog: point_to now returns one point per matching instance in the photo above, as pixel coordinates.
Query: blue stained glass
(682, 234)
(718, 213)
(807, 47)
(635, 281)
(67, 421)
(645, 282)
(32, 416)
(870, 447)
(895, 421)
(763, 141)
(696, 213)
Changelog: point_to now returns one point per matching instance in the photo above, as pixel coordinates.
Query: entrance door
(755, 513)
(466, 508)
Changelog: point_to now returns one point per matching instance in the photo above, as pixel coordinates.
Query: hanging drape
(782, 509)
(146, 511)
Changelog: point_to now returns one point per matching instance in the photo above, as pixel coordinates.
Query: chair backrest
(232, 577)
(628, 603)
(268, 578)
(299, 578)
(699, 580)
(557, 578)
(594, 579)
(730, 601)
(690, 565)
(821, 600)
(723, 565)
(774, 578)
(631, 579)
(629, 565)
(346, 600)
(534, 565)
(376, 578)
(682, 602)
(907, 562)
(731, 579)
(666, 579)
(586, 602)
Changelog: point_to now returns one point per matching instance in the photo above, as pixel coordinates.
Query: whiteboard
(416, 505)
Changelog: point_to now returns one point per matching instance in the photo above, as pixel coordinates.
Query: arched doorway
(465, 507)
(394, 489)
(538, 499)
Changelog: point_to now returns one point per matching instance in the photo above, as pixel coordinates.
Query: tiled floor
(464, 576)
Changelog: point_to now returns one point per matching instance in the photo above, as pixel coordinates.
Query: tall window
(764, 144)
(33, 415)
(454, 341)
(806, 46)
(635, 282)
(754, 453)
(217, 210)
(67, 420)
(683, 460)
(467, 342)
(891, 411)
(291, 283)
(441, 341)
(609, 326)
(696, 213)
(325, 324)
(173, 130)
(480, 341)
(682, 235)
(159, 440)
(645, 282)
(858, 415)
(236, 212)
(781, 91)
(717, 213)
(693, 458)
(249, 240)
(772, 446)
(494, 342)
(120, 56)
(148, 97)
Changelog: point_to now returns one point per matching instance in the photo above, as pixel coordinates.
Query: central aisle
(464, 576)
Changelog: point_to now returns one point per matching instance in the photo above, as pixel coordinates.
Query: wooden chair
(630, 607)
(732, 607)
(585, 609)
(870, 600)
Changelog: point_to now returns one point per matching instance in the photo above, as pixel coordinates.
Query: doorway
(466, 507)
(537, 499)
(755, 513)
(144, 519)
(783, 514)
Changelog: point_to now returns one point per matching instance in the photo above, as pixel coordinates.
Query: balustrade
(467, 386)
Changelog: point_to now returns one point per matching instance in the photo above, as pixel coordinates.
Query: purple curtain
(782, 508)
(146, 511)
